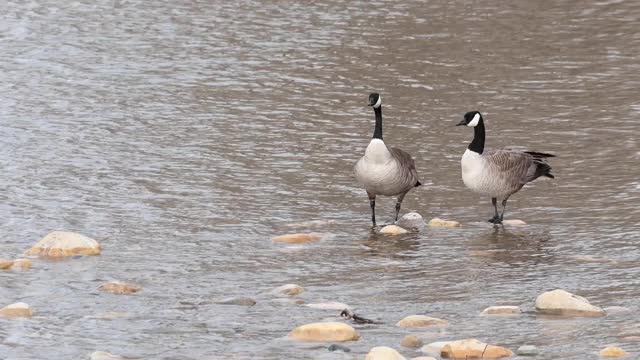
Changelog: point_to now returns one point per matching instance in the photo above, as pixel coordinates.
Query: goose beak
(463, 122)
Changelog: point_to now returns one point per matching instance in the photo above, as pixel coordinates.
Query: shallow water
(184, 136)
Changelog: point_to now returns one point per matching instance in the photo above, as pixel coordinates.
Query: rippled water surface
(184, 135)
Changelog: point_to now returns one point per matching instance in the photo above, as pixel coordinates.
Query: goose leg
(504, 206)
(372, 203)
(399, 203)
(496, 218)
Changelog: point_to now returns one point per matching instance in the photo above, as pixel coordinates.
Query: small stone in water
(289, 289)
(437, 222)
(411, 220)
(472, 348)
(17, 310)
(434, 348)
(612, 351)
(501, 310)
(336, 347)
(527, 350)
(420, 320)
(23, 264)
(300, 238)
(393, 230)
(383, 353)
(63, 244)
(329, 331)
(119, 288)
(560, 302)
(411, 341)
(5, 264)
(513, 222)
(237, 300)
(102, 355)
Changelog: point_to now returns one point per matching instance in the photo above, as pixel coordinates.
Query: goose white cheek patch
(475, 120)
(378, 103)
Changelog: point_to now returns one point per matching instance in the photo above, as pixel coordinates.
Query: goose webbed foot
(495, 220)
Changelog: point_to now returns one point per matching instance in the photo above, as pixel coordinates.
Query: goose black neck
(377, 133)
(477, 145)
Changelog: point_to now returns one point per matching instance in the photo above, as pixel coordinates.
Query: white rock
(326, 331)
(101, 355)
(560, 302)
(420, 321)
(393, 230)
(527, 350)
(513, 222)
(331, 305)
(434, 348)
(237, 300)
(383, 353)
(501, 310)
(411, 220)
(437, 222)
(289, 290)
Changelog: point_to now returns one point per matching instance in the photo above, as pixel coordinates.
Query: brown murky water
(184, 135)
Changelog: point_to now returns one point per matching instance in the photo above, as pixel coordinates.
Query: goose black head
(472, 118)
(375, 100)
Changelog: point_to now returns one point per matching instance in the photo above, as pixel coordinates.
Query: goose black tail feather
(418, 183)
(536, 154)
(543, 169)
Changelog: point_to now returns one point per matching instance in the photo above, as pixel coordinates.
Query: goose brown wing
(511, 165)
(407, 164)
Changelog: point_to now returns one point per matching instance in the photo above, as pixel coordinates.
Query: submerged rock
(612, 351)
(299, 238)
(23, 264)
(329, 331)
(289, 290)
(560, 302)
(472, 348)
(119, 288)
(411, 220)
(434, 348)
(17, 310)
(501, 310)
(331, 305)
(513, 222)
(437, 222)
(237, 300)
(411, 341)
(420, 321)
(336, 347)
(383, 353)
(5, 264)
(393, 230)
(101, 355)
(63, 244)
(527, 350)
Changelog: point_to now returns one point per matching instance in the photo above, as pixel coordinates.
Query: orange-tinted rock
(437, 222)
(23, 264)
(501, 310)
(383, 353)
(411, 341)
(119, 288)
(472, 348)
(64, 243)
(16, 310)
(300, 238)
(5, 264)
(329, 331)
(393, 230)
(289, 290)
(612, 351)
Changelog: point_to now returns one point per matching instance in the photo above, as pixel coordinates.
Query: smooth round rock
(411, 341)
(560, 302)
(393, 230)
(437, 222)
(237, 300)
(527, 350)
(434, 348)
(328, 331)
(17, 310)
(501, 310)
(612, 352)
(420, 321)
(331, 305)
(472, 348)
(289, 290)
(102, 355)
(513, 222)
(63, 244)
(411, 220)
(5, 264)
(299, 238)
(383, 353)
(22, 264)
(119, 288)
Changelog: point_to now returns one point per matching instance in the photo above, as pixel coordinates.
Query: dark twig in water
(356, 318)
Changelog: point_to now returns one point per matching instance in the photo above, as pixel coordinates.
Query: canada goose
(498, 173)
(384, 170)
